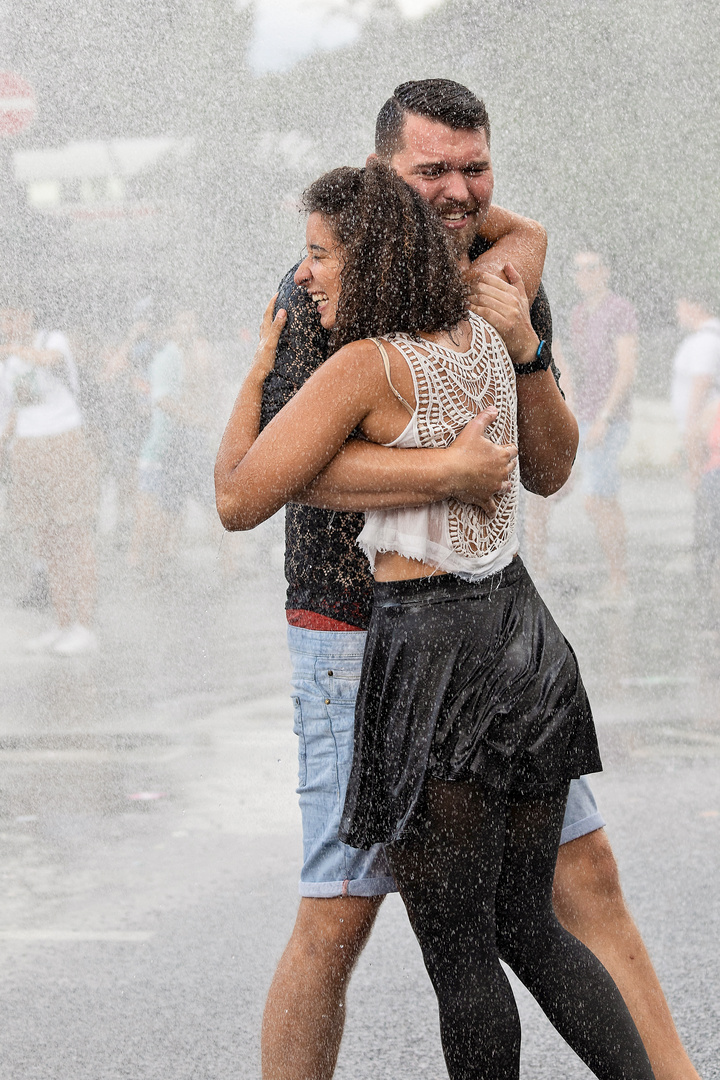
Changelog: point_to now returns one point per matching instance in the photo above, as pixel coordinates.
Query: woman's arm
(257, 474)
(367, 476)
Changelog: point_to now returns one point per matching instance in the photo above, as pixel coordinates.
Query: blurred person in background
(696, 378)
(126, 390)
(604, 345)
(707, 532)
(31, 570)
(87, 350)
(695, 394)
(176, 460)
(53, 493)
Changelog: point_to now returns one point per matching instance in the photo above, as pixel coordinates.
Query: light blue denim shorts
(325, 678)
(326, 673)
(600, 464)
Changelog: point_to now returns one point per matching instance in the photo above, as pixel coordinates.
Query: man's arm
(514, 239)
(547, 429)
(243, 427)
(302, 348)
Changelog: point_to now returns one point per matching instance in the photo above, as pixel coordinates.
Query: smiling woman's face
(319, 272)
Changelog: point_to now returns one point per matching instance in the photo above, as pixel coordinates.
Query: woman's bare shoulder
(361, 356)
(361, 350)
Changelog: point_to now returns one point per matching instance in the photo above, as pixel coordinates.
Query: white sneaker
(78, 639)
(44, 642)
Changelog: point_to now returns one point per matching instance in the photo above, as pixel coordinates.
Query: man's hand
(504, 304)
(481, 469)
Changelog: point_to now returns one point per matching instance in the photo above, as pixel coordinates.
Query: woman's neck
(458, 338)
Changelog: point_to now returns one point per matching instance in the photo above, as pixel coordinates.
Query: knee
(332, 932)
(522, 930)
(586, 878)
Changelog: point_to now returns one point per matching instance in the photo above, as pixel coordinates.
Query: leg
(601, 482)
(447, 873)
(54, 548)
(609, 521)
(569, 983)
(305, 1010)
(342, 888)
(588, 901)
(706, 547)
(81, 571)
(142, 531)
(154, 537)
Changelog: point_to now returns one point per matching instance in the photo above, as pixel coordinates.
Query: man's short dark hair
(443, 100)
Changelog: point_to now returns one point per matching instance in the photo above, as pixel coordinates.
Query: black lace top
(325, 570)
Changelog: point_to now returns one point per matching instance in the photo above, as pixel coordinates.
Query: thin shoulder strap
(386, 362)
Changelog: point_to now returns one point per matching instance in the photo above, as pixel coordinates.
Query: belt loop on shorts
(345, 886)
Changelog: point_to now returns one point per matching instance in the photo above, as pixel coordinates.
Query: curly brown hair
(398, 271)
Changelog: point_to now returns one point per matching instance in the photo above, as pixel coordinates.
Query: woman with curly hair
(471, 718)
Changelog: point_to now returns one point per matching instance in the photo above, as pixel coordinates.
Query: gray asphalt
(138, 935)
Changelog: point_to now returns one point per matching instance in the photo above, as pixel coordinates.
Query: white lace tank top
(450, 389)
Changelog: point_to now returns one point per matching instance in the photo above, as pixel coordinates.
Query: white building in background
(109, 178)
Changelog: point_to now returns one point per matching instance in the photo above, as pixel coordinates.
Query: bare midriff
(389, 566)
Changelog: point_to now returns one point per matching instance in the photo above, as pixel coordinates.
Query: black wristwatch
(542, 361)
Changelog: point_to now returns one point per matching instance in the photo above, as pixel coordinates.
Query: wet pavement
(150, 836)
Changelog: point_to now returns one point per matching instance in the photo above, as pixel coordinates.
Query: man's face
(451, 170)
(591, 274)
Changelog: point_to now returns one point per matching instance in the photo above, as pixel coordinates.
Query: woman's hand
(270, 331)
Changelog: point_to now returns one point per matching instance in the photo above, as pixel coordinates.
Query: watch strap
(542, 361)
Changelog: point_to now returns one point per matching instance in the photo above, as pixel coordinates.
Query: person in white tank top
(53, 495)
(471, 716)
(451, 388)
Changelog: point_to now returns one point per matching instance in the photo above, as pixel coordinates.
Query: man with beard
(435, 134)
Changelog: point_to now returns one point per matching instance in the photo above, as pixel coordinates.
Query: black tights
(476, 878)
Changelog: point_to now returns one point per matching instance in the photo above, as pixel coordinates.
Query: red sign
(17, 103)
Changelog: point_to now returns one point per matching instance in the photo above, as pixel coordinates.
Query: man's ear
(370, 157)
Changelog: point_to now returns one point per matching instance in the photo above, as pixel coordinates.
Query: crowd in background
(141, 416)
(598, 355)
(138, 417)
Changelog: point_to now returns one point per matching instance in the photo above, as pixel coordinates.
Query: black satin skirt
(462, 681)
